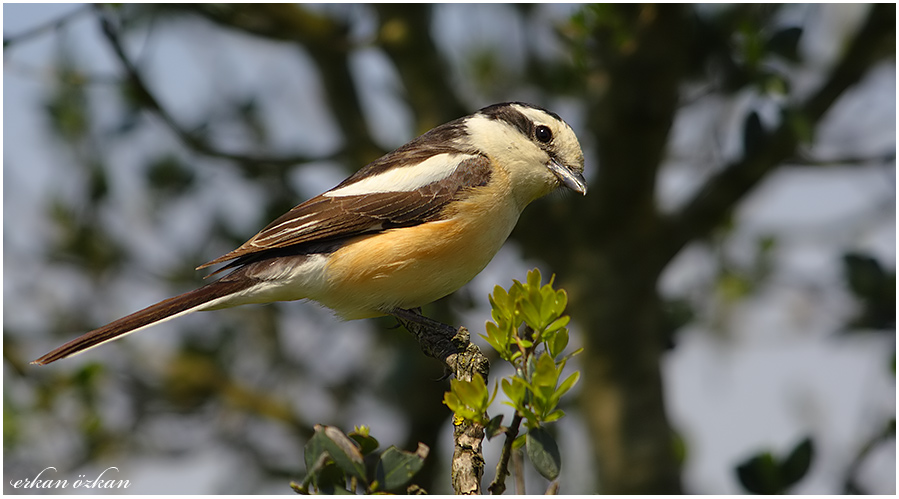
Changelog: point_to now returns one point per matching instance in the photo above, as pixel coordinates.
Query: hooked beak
(570, 179)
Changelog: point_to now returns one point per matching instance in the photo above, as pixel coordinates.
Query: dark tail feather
(166, 309)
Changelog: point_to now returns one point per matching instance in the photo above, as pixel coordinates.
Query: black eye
(543, 133)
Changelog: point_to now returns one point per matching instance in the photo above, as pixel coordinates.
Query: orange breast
(412, 266)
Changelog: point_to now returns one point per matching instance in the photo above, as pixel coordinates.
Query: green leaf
(759, 475)
(545, 374)
(397, 467)
(468, 399)
(460, 408)
(565, 386)
(473, 392)
(452, 401)
(330, 456)
(367, 443)
(494, 427)
(330, 479)
(765, 474)
(516, 291)
(497, 339)
(523, 343)
(558, 341)
(519, 442)
(534, 278)
(561, 301)
(531, 367)
(547, 306)
(558, 324)
(531, 419)
(314, 449)
(554, 416)
(500, 301)
(797, 464)
(343, 451)
(544, 453)
(530, 314)
(515, 390)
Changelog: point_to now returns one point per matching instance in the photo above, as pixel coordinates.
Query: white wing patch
(404, 178)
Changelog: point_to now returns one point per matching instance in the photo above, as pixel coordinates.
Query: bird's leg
(461, 359)
(414, 315)
(438, 340)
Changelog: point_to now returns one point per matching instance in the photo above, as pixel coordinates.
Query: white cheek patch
(404, 178)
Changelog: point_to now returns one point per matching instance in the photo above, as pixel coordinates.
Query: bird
(405, 230)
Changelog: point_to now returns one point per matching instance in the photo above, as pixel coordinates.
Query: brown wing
(322, 218)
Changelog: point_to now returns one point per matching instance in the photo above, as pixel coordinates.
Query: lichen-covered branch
(461, 359)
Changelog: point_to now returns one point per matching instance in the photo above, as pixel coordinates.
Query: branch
(405, 36)
(717, 198)
(462, 359)
(327, 42)
(884, 159)
(498, 486)
(850, 484)
(152, 103)
(40, 29)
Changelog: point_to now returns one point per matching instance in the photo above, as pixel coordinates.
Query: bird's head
(537, 149)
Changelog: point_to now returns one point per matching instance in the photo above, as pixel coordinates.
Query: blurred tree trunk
(610, 248)
(606, 253)
(615, 269)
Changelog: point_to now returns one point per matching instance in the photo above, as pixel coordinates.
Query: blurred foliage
(875, 289)
(66, 106)
(767, 474)
(170, 176)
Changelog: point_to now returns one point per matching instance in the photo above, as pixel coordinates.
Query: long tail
(154, 314)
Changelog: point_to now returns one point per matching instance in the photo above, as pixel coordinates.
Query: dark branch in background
(151, 103)
(405, 36)
(888, 158)
(462, 359)
(613, 292)
(643, 106)
(885, 435)
(326, 42)
(719, 196)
